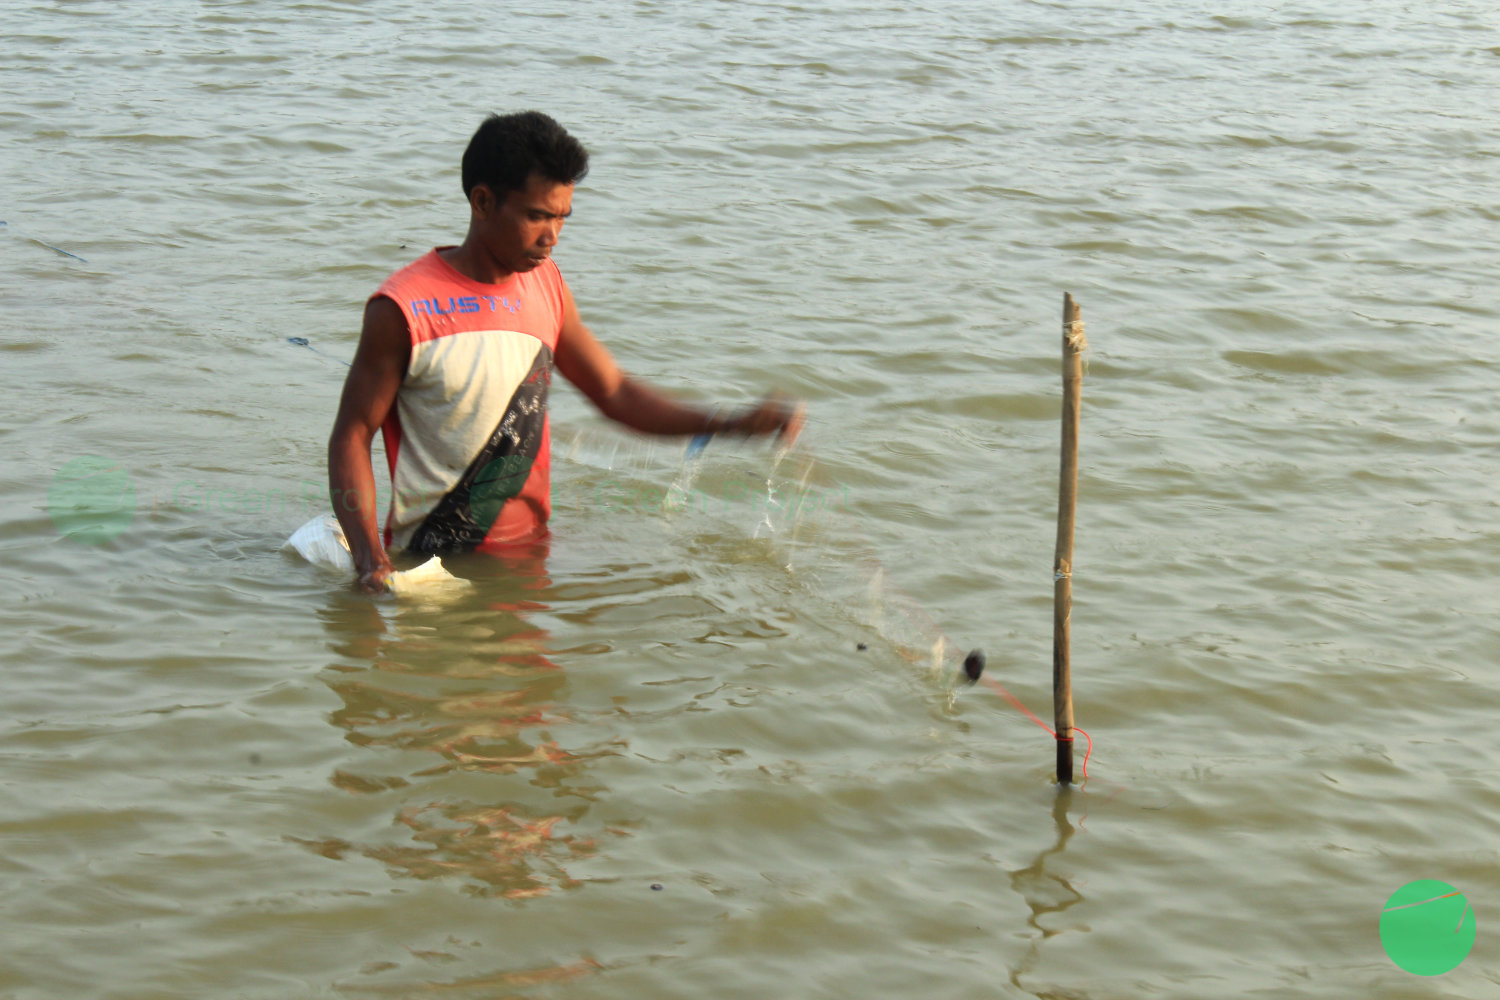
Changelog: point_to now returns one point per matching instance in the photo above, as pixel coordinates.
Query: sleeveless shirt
(467, 441)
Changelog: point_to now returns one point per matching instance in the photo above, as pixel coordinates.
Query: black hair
(508, 149)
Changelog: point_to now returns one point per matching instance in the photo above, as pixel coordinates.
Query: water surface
(226, 776)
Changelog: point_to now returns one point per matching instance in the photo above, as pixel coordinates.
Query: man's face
(521, 229)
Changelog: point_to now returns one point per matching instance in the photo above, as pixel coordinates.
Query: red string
(1032, 716)
(1086, 753)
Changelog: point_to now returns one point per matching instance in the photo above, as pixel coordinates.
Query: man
(455, 359)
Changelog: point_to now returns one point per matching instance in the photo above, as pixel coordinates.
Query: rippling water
(225, 776)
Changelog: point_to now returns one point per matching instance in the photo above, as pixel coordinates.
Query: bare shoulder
(379, 366)
(385, 337)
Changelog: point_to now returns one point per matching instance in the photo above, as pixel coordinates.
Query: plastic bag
(321, 542)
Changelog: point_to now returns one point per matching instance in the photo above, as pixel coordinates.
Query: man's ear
(482, 201)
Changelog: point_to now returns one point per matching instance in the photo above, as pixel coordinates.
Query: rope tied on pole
(1073, 336)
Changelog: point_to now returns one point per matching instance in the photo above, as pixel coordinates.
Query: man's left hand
(773, 415)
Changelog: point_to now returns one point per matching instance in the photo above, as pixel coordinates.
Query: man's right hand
(374, 582)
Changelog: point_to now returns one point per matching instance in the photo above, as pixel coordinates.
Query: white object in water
(321, 542)
(422, 578)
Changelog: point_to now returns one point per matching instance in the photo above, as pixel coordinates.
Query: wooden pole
(1073, 344)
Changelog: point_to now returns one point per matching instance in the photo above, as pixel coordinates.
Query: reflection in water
(512, 856)
(1046, 893)
(484, 985)
(452, 693)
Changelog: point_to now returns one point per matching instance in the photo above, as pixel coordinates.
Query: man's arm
(589, 366)
(369, 393)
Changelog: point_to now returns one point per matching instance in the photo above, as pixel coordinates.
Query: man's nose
(550, 233)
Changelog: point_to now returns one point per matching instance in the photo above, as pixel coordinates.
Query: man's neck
(468, 261)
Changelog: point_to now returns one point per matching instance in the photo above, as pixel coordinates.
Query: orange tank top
(467, 441)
